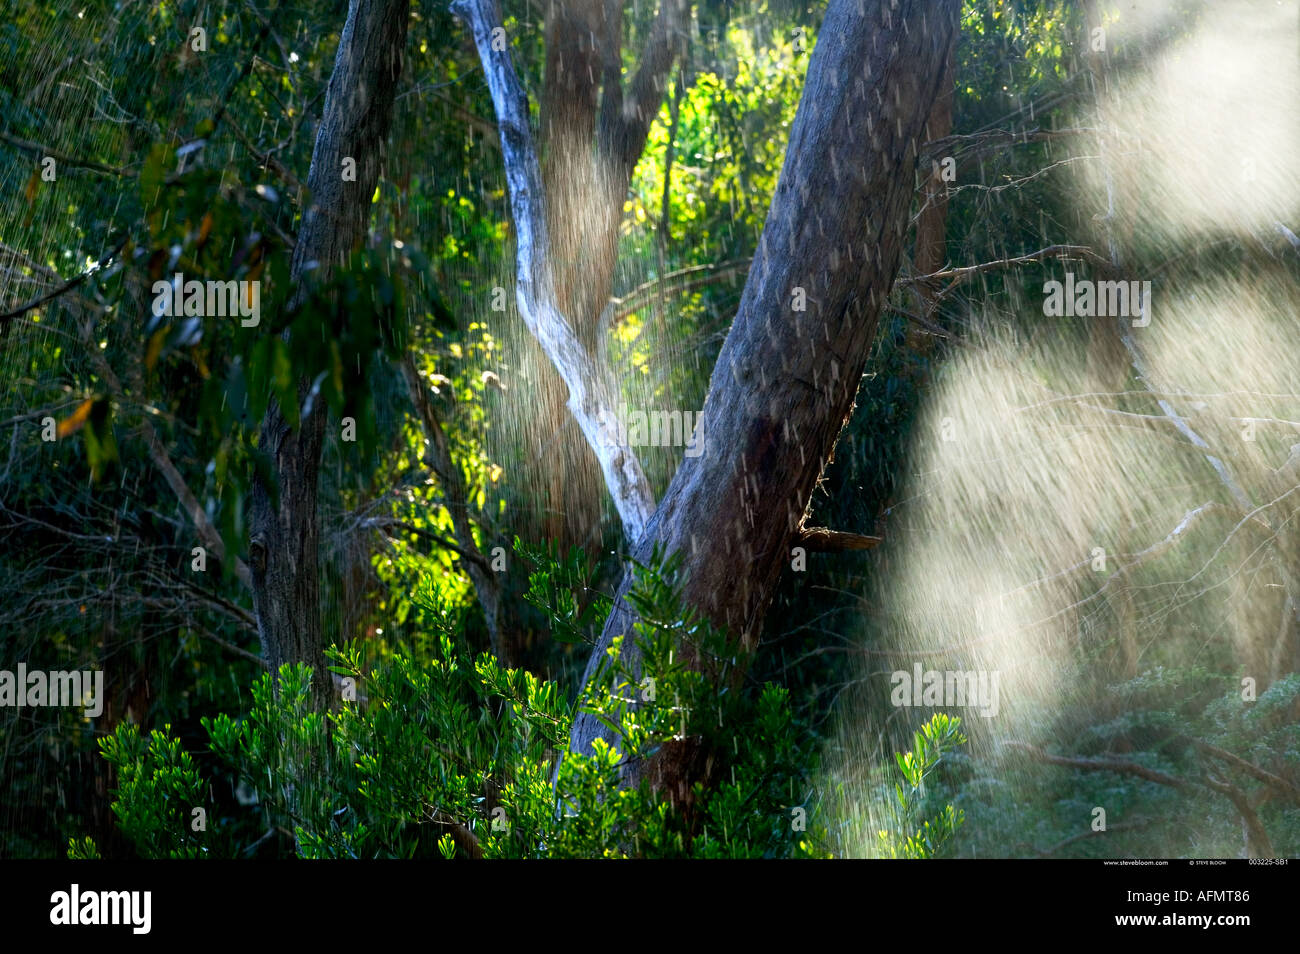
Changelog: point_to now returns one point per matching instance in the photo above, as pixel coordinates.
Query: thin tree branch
(824, 540)
(385, 523)
(956, 276)
(62, 158)
(1268, 778)
(1258, 844)
(1120, 766)
(491, 134)
(67, 286)
(1287, 234)
(980, 142)
(203, 525)
(486, 585)
(1084, 835)
(267, 160)
(640, 296)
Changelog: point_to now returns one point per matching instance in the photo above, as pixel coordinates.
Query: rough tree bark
(284, 532)
(786, 380)
(932, 223)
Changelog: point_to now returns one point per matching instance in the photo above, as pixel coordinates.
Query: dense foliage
(176, 160)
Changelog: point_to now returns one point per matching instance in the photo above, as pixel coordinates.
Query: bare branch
(981, 142)
(1121, 766)
(1180, 423)
(640, 296)
(67, 286)
(207, 532)
(267, 160)
(62, 158)
(956, 276)
(491, 134)
(823, 540)
(1133, 560)
(1257, 841)
(1268, 778)
(1258, 844)
(384, 524)
(1287, 234)
(1089, 833)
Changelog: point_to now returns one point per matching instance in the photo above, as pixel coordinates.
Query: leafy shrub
(438, 754)
(159, 786)
(936, 739)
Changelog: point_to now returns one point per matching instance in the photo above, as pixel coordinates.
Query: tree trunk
(932, 223)
(786, 379)
(284, 538)
(622, 132)
(590, 141)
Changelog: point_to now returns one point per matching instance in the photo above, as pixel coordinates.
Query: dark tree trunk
(284, 538)
(786, 380)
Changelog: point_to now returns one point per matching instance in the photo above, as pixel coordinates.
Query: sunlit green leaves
(912, 835)
(561, 588)
(421, 746)
(158, 787)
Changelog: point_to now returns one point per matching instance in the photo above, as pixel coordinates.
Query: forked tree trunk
(785, 382)
(283, 548)
(591, 135)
